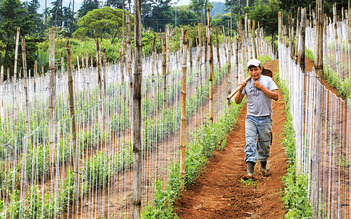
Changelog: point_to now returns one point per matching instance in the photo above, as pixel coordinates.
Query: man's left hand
(257, 84)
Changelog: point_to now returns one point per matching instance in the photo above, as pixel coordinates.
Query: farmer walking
(260, 90)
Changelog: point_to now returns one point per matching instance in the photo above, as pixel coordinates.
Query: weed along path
(220, 193)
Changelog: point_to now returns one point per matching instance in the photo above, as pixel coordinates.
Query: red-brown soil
(219, 191)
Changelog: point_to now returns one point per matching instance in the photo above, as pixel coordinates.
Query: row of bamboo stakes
(319, 22)
(239, 48)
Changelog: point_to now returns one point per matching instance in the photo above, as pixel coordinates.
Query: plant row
(295, 194)
(100, 168)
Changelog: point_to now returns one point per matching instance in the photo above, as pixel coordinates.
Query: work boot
(263, 166)
(250, 168)
(250, 171)
(265, 171)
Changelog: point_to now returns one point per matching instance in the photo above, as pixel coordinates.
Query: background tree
(56, 13)
(102, 22)
(114, 3)
(197, 7)
(69, 22)
(13, 15)
(87, 5)
(33, 7)
(160, 16)
(185, 16)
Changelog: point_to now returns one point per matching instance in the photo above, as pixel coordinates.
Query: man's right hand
(242, 85)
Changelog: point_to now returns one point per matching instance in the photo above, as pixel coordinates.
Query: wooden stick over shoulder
(238, 88)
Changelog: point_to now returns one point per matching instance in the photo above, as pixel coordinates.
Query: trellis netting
(332, 153)
(34, 184)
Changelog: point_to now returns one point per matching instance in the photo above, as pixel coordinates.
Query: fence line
(333, 153)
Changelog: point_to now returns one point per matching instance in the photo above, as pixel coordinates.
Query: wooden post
(164, 71)
(210, 61)
(52, 97)
(316, 151)
(73, 121)
(137, 112)
(302, 41)
(183, 116)
(217, 47)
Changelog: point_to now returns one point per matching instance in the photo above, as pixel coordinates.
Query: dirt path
(219, 192)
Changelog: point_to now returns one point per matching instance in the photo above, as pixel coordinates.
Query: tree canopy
(102, 22)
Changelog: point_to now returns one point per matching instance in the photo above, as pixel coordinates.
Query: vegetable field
(66, 136)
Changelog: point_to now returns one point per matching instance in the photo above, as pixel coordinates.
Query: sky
(78, 3)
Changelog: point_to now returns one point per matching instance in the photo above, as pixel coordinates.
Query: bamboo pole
(237, 39)
(229, 67)
(297, 34)
(210, 60)
(137, 112)
(249, 38)
(183, 116)
(291, 36)
(302, 41)
(317, 108)
(98, 64)
(176, 51)
(153, 64)
(164, 71)
(35, 83)
(129, 73)
(73, 121)
(168, 55)
(205, 56)
(338, 70)
(217, 47)
(349, 37)
(24, 61)
(254, 38)
(2, 92)
(15, 76)
(224, 42)
(199, 49)
(104, 71)
(191, 54)
(52, 97)
(259, 49)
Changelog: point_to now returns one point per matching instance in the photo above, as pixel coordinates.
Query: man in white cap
(260, 91)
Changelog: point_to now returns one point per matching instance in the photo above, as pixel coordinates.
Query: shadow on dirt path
(219, 191)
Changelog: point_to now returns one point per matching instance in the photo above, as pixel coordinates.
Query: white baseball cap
(254, 62)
